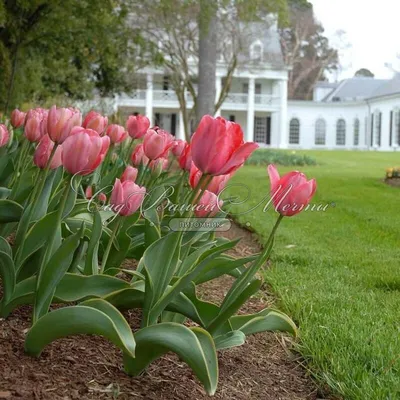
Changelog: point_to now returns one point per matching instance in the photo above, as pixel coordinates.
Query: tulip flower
(126, 197)
(178, 147)
(208, 206)
(116, 133)
(89, 192)
(17, 118)
(36, 124)
(159, 163)
(130, 174)
(185, 159)
(137, 126)
(138, 157)
(102, 197)
(4, 135)
(61, 121)
(218, 147)
(291, 193)
(157, 144)
(95, 121)
(216, 185)
(84, 150)
(43, 152)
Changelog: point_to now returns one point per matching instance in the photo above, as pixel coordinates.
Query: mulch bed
(392, 181)
(89, 367)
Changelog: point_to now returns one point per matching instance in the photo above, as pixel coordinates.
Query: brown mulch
(89, 367)
(392, 182)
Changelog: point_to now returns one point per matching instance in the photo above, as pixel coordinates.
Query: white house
(357, 113)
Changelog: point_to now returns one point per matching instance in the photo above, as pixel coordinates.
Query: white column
(149, 98)
(181, 130)
(250, 111)
(283, 123)
(218, 88)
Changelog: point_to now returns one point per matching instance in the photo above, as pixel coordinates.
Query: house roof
(362, 88)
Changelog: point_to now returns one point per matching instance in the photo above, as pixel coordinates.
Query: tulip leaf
(4, 192)
(194, 346)
(263, 321)
(10, 211)
(5, 246)
(91, 317)
(230, 339)
(53, 272)
(7, 274)
(92, 261)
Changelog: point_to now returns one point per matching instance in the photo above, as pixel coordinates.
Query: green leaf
(91, 317)
(193, 345)
(10, 211)
(5, 246)
(265, 320)
(53, 272)
(7, 274)
(4, 192)
(230, 339)
(92, 261)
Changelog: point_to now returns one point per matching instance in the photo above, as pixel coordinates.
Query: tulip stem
(21, 156)
(109, 244)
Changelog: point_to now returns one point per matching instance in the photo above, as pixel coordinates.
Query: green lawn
(340, 278)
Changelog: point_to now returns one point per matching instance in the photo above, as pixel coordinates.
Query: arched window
(294, 131)
(377, 128)
(320, 132)
(256, 51)
(341, 132)
(356, 132)
(397, 127)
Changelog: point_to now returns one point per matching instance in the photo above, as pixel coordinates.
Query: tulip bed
(79, 197)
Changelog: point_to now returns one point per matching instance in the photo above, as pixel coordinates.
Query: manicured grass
(340, 276)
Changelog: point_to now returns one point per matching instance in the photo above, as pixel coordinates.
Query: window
(378, 128)
(340, 132)
(356, 132)
(320, 132)
(256, 51)
(294, 131)
(397, 128)
(258, 88)
(165, 82)
(232, 118)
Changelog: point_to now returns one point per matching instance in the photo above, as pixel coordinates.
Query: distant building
(358, 113)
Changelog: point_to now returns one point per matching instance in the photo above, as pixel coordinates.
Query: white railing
(138, 94)
(164, 95)
(265, 99)
(236, 98)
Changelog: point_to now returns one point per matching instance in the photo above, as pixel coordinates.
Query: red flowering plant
(77, 202)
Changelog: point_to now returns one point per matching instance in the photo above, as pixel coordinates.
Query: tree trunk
(12, 78)
(207, 59)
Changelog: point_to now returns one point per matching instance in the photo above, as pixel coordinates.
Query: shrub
(266, 156)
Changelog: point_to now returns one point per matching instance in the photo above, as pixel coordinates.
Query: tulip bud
(43, 152)
(89, 192)
(130, 174)
(126, 197)
(185, 159)
(157, 144)
(116, 133)
(61, 121)
(291, 193)
(4, 135)
(178, 147)
(95, 121)
(218, 147)
(137, 126)
(158, 166)
(208, 205)
(84, 150)
(36, 124)
(102, 197)
(17, 118)
(138, 157)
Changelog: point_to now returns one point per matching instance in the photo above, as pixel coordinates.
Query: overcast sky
(372, 29)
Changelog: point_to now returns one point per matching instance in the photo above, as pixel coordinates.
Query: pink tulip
(137, 126)
(4, 135)
(61, 121)
(178, 147)
(17, 118)
(291, 193)
(160, 163)
(138, 157)
(185, 159)
(36, 124)
(116, 133)
(95, 121)
(89, 192)
(208, 206)
(216, 185)
(130, 174)
(84, 150)
(126, 197)
(157, 144)
(43, 152)
(102, 197)
(218, 147)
